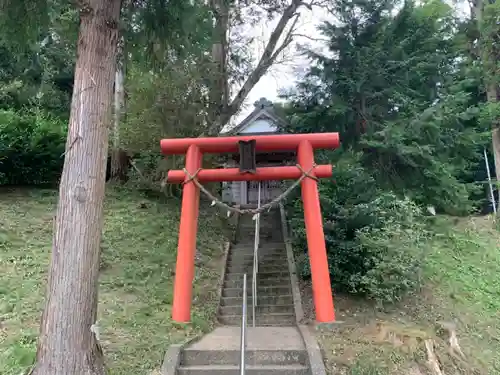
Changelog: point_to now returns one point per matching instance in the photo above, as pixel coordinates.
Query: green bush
(374, 238)
(31, 148)
(392, 249)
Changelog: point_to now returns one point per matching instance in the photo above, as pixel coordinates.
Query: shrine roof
(262, 120)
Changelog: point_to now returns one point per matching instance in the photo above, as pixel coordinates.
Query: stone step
(250, 370)
(269, 235)
(190, 357)
(264, 228)
(286, 299)
(270, 215)
(278, 320)
(277, 244)
(283, 262)
(247, 240)
(268, 245)
(275, 290)
(260, 282)
(248, 269)
(265, 217)
(260, 275)
(259, 309)
(261, 318)
(248, 258)
(262, 257)
(264, 248)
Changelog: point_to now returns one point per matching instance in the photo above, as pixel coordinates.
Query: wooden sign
(248, 163)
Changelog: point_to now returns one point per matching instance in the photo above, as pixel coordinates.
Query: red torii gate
(304, 144)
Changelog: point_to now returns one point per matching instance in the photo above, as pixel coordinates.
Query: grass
(462, 289)
(139, 249)
(136, 282)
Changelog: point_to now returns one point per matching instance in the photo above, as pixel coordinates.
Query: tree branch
(307, 5)
(295, 35)
(286, 42)
(269, 55)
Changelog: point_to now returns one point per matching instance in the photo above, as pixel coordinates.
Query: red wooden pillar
(322, 290)
(184, 271)
(194, 147)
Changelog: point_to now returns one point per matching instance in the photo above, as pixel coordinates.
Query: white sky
(285, 75)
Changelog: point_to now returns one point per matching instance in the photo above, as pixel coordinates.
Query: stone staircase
(270, 351)
(274, 290)
(275, 346)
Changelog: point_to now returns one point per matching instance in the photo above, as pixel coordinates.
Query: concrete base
(258, 338)
(172, 357)
(328, 326)
(316, 364)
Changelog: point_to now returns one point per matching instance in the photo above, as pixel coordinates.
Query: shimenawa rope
(215, 201)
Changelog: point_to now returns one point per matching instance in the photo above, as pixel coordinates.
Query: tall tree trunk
(492, 95)
(119, 158)
(67, 344)
(219, 92)
(486, 15)
(495, 140)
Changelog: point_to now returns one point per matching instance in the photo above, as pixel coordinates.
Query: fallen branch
(432, 360)
(454, 348)
(132, 163)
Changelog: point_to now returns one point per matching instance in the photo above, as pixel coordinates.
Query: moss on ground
(136, 283)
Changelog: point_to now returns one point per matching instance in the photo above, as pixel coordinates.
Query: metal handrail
(243, 341)
(255, 259)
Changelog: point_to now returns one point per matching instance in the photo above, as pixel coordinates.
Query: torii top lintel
(274, 142)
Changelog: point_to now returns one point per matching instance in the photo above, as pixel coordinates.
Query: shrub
(391, 250)
(31, 148)
(374, 238)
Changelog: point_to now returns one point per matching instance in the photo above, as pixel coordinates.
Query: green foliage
(392, 249)
(374, 239)
(379, 66)
(31, 148)
(489, 41)
(137, 271)
(158, 32)
(401, 88)
(38, 77)
(490, 113)
(431, 157)
(35, 16)
(364, 366)
(161, 105)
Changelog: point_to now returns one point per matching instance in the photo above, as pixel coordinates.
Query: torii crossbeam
(304, 145)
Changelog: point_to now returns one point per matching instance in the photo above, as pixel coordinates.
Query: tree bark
(119, 165)
(495, 140)
(67, 344)
(489, 53)
(219, 92)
